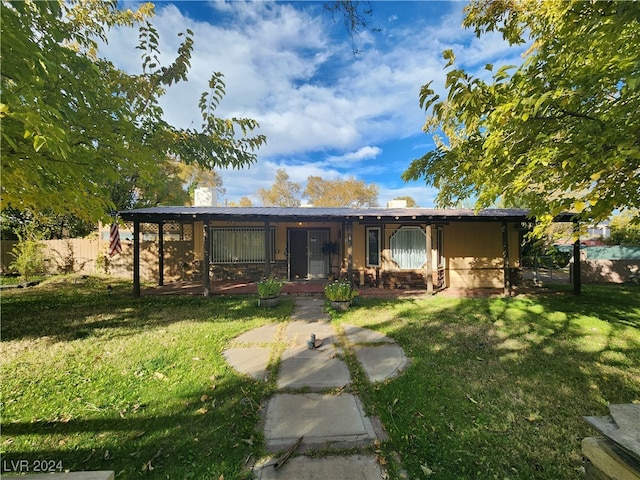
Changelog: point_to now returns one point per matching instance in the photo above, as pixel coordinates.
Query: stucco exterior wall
(474, 254)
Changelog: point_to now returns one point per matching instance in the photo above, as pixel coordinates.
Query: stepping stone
(252, 361)
(259, 335)
(381, 361)
(299, 332)
(364, 335)
(310, 309)
(334, 468)
(324, 420)
(317, 368)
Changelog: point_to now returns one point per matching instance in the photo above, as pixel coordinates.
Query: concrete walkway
(313, 400)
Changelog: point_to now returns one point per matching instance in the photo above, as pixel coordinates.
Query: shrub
(340, 291)
(103, 262)
(270, 287)
(28, 257)
(66, 261)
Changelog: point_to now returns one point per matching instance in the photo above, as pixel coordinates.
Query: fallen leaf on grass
(426, 470)
(147, 467)
(471, 399)
(201, 411)
(159, 376)
(204, 398)
(533, 417)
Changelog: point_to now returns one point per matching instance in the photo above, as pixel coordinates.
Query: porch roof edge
(307, 214)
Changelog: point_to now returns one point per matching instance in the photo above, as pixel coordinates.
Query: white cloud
(322, 109)
(363, 153)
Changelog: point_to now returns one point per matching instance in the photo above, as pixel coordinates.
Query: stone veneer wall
(248, 271)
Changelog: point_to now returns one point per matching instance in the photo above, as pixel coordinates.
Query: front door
(306, 260)
(298, 268)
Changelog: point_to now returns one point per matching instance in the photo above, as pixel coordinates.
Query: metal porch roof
(319, 214)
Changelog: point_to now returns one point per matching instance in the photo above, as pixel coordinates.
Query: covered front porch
(390, 248)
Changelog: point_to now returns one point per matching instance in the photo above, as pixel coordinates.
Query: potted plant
(340, 294)
(330, 249)
(269, 290)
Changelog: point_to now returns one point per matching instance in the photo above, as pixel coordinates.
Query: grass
(496, 389)
(98, 380)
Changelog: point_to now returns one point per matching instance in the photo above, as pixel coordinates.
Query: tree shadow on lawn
(498, 387)
(72, 316)
(134, 415)
(207, 433)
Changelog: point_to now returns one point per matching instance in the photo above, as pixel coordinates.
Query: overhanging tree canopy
(562, 131)
(73, 124)
(341, 193)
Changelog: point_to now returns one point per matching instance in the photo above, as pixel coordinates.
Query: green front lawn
(496, 389)
(102, 381)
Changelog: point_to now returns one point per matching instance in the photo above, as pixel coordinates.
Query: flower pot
(269, 302)
(340, 305)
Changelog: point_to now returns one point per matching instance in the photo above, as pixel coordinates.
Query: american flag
(114, 240)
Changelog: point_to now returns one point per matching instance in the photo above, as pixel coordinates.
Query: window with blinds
(409, 247)
(240, 244)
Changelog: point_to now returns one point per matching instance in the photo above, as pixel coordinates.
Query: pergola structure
(342, 218)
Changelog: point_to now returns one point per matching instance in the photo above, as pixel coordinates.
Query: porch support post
(505, 257)
(205, 266)
(160, 254)
(267, 249)
(136, 258)
(576, 274)
(350, 250)
(429, 259)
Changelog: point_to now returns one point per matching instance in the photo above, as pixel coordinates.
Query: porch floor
(305, 287)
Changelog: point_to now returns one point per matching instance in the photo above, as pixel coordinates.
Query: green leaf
(578, 81)
(449, 55)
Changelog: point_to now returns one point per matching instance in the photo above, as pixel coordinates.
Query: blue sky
(325, 112)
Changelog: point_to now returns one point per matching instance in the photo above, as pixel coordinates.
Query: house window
(409, 247)
(373, 246)
(242, 244)
(439, 244)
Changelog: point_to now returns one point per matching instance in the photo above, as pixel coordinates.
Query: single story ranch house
(384, 247)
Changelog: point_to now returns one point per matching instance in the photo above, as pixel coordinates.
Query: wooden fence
(89, 256)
